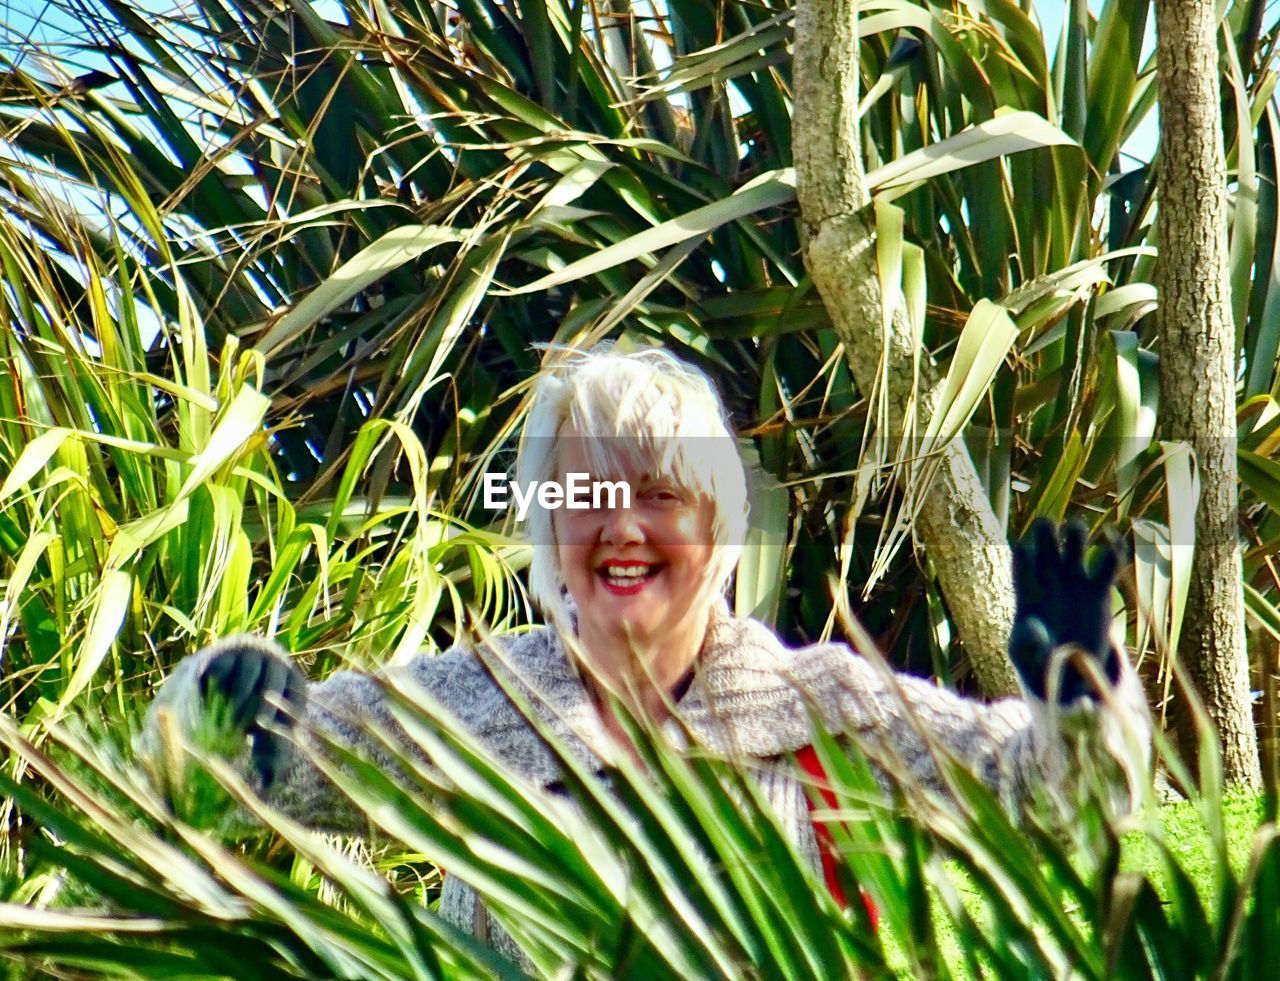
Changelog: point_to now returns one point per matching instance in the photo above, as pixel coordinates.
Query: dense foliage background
(275, 277)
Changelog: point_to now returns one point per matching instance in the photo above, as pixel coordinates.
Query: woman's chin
(624, 620)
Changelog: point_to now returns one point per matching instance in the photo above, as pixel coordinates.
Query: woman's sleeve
(344, 710)
(277, 738)
(1017, 746)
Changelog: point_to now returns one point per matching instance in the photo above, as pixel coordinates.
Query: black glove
(261, 691)
(1061, 599)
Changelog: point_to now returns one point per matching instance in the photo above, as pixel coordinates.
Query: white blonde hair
(648, 409)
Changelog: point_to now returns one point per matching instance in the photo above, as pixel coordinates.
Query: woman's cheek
(576, 530)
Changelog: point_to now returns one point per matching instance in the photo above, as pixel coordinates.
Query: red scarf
(809, 762)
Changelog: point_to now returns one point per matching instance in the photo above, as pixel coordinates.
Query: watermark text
(578, 493)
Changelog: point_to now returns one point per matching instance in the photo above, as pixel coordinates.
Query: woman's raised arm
(248, 695)
(1083, 705)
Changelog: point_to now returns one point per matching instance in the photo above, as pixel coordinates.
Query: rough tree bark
(956, 524)
(1197, 369)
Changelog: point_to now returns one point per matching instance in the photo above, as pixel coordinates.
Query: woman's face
(637, 574)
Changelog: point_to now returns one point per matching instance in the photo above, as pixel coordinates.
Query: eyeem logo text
(578, 493)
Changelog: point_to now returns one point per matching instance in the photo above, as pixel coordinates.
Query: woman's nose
(621, 527)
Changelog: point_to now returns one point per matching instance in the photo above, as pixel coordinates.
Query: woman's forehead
(615, 457)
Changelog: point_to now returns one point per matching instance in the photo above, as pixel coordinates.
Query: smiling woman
(643, 577)
(634, 602)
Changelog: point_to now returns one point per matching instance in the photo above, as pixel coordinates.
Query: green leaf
(109, 608)
(32, 459)
(362, 270)
(761, 571)
(1182, 493)
(240, 422)
(766, 191)
(985, 341)
(1007, 133)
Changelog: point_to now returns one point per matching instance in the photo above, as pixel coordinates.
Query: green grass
(1185, 834)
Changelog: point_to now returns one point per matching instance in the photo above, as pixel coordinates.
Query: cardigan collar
(750, 696)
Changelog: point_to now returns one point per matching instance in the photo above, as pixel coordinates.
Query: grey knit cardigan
(751, 696)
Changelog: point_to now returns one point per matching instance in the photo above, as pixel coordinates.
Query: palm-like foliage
(372, 218)
(143, 509)
(671, 867)
(394, 204)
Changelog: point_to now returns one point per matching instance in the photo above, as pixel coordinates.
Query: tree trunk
(1197, 370)
(956, 523)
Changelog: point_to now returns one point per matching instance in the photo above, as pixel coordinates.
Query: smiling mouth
(626, 578)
